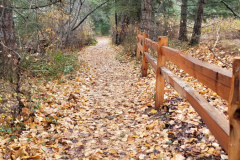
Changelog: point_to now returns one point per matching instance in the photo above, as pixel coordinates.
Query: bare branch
(20, 14)
(235, 15)
(16, 54)
(212, 50)
(32, 7)
(89, 15)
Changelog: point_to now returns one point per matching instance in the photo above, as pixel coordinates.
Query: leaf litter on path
(106, 112)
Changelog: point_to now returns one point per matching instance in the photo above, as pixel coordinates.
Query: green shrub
(93, 42)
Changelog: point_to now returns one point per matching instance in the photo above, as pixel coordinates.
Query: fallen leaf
(153, 111)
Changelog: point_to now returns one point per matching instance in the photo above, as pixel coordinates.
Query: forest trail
(115, 105)
(113, 79)
(104, 111)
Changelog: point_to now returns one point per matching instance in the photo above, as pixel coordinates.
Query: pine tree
(183, 21)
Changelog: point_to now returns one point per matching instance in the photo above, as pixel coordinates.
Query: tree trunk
(68, 32)
(198, 23)
(11, 59)
(7, 39)
(124, 26)
(183, 21)
(146, 16)
(116, 29)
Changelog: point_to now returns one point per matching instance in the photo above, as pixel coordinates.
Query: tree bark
(7, 39)
(11, 59)
(124, 26)
(183, 21)
(116, 29)
(198, 23)
(146, 11)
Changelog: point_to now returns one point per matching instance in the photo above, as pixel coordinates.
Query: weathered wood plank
(140, 47)
(215, 121)
(152, 44)
(138, 41)
(152, 61)
(234, 113)
(216, 78)
(140, 37)
(160, 83)
(144, 59)
(139, 32)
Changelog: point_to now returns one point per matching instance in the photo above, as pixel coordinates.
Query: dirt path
(114, 80)
(116, 102)
(122, 123)
(104, 111)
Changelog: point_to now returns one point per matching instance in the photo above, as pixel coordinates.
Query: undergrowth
(52, 65)
(93, 42)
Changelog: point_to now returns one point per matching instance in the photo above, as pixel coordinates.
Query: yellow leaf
(211, 150)
(190, 140)
(150, 127)
(217, 153)
(113, 151)
(51, 146)
(209, 144)
(79, 144)
(31, 157)
(147, 145)
(139, 83)
(99, 151)
(153, 111)
(202, 92)
(214, 94)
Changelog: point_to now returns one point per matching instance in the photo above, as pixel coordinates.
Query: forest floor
(106, 111)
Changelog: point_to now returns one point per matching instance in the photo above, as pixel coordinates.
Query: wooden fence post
(138, 41)
(160, 83)
(234, 113)
(144, 59)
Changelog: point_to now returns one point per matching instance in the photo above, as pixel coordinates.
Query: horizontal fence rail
(223, 82)
(217, 79)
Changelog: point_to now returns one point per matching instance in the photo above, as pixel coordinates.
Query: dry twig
(215, 44)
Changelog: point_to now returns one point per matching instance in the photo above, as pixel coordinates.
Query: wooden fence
(225, 83)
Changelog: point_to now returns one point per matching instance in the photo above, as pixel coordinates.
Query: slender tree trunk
(11, 59)
(7, 38)
(156, 24)
(124, 26)
(198, 23)
(146, 11)
(116, 29)
(71, 4)
(183, 21)
(165, 30)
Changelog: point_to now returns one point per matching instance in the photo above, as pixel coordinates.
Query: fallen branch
(215, 44)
